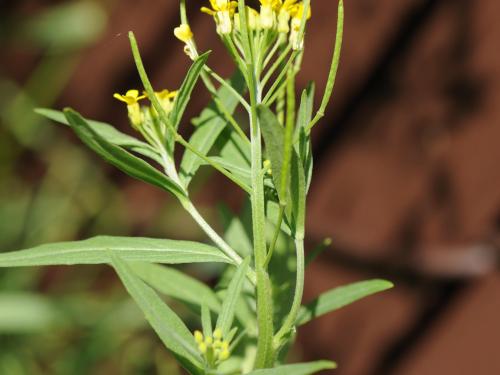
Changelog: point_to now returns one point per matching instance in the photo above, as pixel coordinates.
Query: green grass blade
(120, 158)
(184, 95)
(176, 284)
(169, 327)
(340, 297)
(226, 316)
(93, 251)
(108, 132)
(297, 369)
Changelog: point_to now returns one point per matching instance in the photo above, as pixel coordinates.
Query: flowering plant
(249, 321)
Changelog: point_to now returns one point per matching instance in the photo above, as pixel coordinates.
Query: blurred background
(407, 183)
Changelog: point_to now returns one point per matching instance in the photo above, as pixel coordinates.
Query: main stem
(265, 350)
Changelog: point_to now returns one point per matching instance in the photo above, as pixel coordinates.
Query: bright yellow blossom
(284, 15)
(268, 13)
(297, 12)
(183, 33)
(222, 11)
(132, 98)
(213, 347)
(166, 99)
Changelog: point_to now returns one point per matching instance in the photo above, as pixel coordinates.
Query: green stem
(279, 80)
(220, 106)
(231, 89)
(214, 236)
(215, 165)
(265, 350)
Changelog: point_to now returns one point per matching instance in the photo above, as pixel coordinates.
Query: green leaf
(209, 126)
(226, 316)
(235, 233)
(340, 297)
(123, 160)
(184, 94)
(274, 138)
(93, 251)
(298, 197)
(304, 148)
(169, 327)
(176, 284)
(108, 132)
(206, 320)
(333, 67)
(297, 369)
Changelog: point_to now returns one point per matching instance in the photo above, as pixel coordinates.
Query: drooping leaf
(108, 132)
(209, 126)
(169, 327)
(175, 284)
(297, 369)
(184, 94)
(93, 251)
(340, 297)
(119, 157)
(226, 316)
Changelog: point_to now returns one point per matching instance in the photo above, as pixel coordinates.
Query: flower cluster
(281, 17)
(145, 118)
(213, 348)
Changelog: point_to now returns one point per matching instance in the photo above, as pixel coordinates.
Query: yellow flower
(132, 98)
(222, 11)
(213, 347)
(297, 12)
(166, 99)
(183, 33)
(284, 15)
(268, 13)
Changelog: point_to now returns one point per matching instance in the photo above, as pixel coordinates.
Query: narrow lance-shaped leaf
(93, 251)
(176, 284)
(108, 132)
(274, 138)
(340, 297)
(226, 315)
(333, 67)
(297, 369)
(169, 327)
(206, 320)
(123, 160)
(302, 136)
(209, 126)
(184, 94)
(298, 197)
